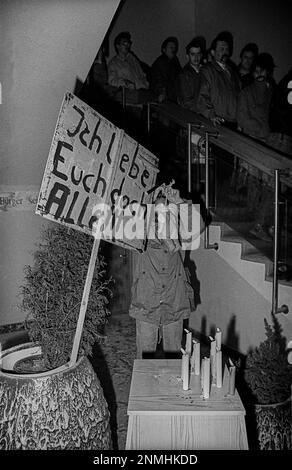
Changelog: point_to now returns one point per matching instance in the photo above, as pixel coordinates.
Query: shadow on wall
(231, 340)
(191, 271)
(203, 329)
(78, 87)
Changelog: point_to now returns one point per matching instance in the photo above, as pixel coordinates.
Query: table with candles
(186, 404)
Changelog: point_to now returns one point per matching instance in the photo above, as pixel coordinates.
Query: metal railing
(284, 308)
(263, 158)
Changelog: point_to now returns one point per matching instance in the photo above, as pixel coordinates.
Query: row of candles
(210, 368)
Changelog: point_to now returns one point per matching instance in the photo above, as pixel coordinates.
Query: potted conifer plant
(268, 376)
(44, 402)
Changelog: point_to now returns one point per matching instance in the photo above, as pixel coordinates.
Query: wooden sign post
(91, 165)
(84, 302)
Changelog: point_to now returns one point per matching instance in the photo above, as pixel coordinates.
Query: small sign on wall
(17, 198)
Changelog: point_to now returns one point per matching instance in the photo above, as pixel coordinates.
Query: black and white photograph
(146, 231)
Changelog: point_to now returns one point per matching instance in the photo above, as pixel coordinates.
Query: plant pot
(62, 408)
(274, 426)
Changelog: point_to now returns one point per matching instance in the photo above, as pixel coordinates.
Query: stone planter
(62, 408)
(274, 426)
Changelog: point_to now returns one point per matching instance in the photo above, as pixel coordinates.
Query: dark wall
(266, 22)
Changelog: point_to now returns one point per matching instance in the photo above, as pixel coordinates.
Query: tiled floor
(113, 363)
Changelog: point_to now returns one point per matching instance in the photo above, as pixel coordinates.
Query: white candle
(206, 378)
(188, 342)
(232, 371)
(202, 375)
(218, 338)
(182, 366)
(219, 369)
(193, 358)
(213, 358)
(197, 348)
(185, 371)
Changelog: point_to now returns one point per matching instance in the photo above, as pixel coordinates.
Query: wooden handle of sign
(84, 302)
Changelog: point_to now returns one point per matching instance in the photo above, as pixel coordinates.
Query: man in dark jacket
(165, 70)
(254, 101)
(253, 119)
(189, 78)
(219, 86)
(246, 66)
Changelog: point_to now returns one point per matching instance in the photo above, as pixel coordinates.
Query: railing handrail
(244, 147)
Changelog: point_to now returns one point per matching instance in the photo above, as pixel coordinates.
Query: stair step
(250, 244)
(253, 249)
(231, 218)
(285, 282)
(232, 235)
(256, 257)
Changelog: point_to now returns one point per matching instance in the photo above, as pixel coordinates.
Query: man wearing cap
(124, 69)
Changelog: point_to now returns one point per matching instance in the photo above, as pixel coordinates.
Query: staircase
(253, 263)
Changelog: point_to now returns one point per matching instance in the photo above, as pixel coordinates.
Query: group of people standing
(243, 97)
(240, 96)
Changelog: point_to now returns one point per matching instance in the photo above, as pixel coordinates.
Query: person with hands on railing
(219, 85)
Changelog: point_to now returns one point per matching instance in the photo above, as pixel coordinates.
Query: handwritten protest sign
(92, 162)
(79, 166)
(135, 174)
